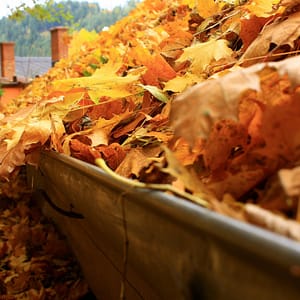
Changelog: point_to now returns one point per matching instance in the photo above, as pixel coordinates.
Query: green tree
(47, 11)
(32, 37)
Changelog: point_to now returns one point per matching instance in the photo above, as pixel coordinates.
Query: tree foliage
(31, 32)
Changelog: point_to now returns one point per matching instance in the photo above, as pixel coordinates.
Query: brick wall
(7, 53)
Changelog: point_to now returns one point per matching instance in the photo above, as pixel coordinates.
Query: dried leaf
(261, 8)
(282, 32)
(200, 55)
(177, 170)
(181, 83)
(206, 8)
(250, 28)
(137, 159)
(194, 112)
(104, 82)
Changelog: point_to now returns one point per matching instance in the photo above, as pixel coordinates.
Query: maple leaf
(261, 8)
(206, 8)
(157, 67)
(281, 32)
(195, 111)
(202, 54)
(180, 83)
(104, 82)
(98, 134)
(172, 47)
(250, 28)
(137, 159)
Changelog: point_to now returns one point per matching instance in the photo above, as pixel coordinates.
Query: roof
(30, 67)
(27, 68)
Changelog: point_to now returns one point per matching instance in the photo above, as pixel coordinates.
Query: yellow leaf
(206, 8)
(261, 8)
(202, 54)
(104, 82)
(80, 39)
(179, 84)
(68, 103)
(18, 131)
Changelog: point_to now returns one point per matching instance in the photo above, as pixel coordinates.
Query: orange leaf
(250, 28)
(282, 32)
(137, 159)
(113, 154)
(83, 151)
(157, 67)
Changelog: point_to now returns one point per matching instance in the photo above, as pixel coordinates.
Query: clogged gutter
(180, 93)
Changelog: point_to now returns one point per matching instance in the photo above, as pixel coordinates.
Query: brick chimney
(7, 53)
(59, 44)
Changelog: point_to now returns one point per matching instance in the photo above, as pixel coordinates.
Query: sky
(4, 10)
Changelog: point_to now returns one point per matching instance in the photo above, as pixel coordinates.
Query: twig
(153, 186)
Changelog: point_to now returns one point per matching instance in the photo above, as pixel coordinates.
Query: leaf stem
(153, 186)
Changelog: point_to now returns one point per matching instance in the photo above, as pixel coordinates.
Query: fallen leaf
(104, 82)
(137, 159)
(206, 8)
(250, 29)
(261, 8)
(278, 33)
(200, 55)
(194, 111)
(181, 83)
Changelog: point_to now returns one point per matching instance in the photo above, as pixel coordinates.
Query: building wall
(10, 93)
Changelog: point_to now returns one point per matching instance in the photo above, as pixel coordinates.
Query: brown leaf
(226, 138)
(279, 33)
(83, 151)
(113, 154)
(195, 111)
(181, 173)
(250, 28)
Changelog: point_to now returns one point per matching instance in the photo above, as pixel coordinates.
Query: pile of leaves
(198, 95)
(36, 262)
